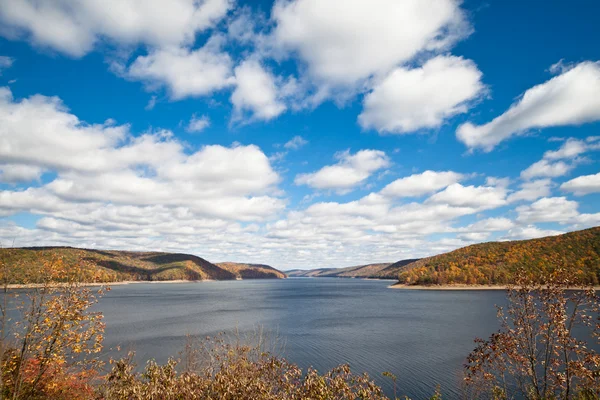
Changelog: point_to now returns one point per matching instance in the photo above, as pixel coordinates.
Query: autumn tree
(539, 353)
(50, 351)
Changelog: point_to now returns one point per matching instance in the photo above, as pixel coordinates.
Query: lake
(423, 337)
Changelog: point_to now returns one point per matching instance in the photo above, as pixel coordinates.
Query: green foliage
(497, 262)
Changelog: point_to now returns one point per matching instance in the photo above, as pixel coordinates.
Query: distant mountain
(251, 271)
(310, 273)
(116, 266)
(497, 262)
(376, 271)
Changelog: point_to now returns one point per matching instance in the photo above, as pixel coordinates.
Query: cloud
(74, 28)
(295, 143)
(532, 190)
(583, 185)
(545, 168)
(529, 232)
(479, 197)
(567, 99)
(256, 91)
(11, 173)
(5, 62)
(552, 166)
(350, 171)
(198, 124)
(344, 42)
(411, 99)
(184, 72)
(421, 184)
(151, 104)
(102, 165)
(556, 209)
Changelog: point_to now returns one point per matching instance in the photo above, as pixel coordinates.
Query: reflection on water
(422, 337)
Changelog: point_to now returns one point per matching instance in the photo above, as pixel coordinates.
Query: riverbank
(119, 283)
(462, 287)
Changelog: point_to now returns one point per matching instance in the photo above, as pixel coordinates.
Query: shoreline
(90, 284)
(463, 287)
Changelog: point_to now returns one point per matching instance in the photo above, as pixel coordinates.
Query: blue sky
(298, 133)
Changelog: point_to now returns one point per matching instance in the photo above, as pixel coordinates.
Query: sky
(297, 133)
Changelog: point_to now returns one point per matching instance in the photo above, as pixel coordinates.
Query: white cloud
(346, 41)
(479, 197)
(529, 232)
(571, 148)
(11, 173)
(583, 185)
(295, 143)
(420, 184)
(151, 104)
(532, 190)
(106, 164)
(549, 209)
(256, 91)
(184, 72)
(74, 27)
(5, 62)
(198, 124)
(552, 166)
(490, 225)
(567, 99)
(546, 169)
(350, 171)
(410, 99)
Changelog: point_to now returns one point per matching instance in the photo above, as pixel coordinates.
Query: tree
(51, 352)
(536, 354)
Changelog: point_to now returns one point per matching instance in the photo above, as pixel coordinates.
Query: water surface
(422, 337)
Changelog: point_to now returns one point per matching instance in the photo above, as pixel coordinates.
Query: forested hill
(251, 271)
(377, 271)
(496, 262)
(116, 266)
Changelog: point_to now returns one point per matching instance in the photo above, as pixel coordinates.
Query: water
(423, 337)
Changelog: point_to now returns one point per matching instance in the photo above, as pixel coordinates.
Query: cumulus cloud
(556, 209)
(560, 162)
(480, 197)
(529, 232)
(421, 184)
(350, 171)
(567, 99)
(75, 27)
(344, 42)
(532, 190)
(545, 168)
(11, 173)
(107, 164)
(198, 124)
(582, 185)
(256, 91)
(410, 99)
(184, 72)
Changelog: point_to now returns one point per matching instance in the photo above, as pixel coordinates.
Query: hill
(116, 266)
(251, 271)
(496, 262)
(310, 273)
(378, 271)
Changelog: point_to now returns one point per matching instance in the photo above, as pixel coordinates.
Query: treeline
(497, 262)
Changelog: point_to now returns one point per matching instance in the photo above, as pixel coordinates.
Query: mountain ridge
(121, 265)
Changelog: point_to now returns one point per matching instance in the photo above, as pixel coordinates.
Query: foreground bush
(231, 372)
